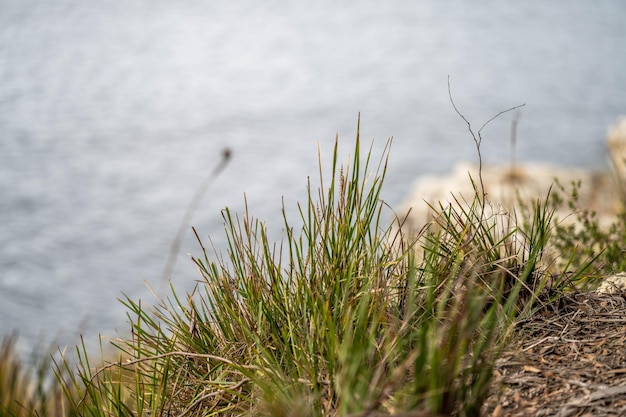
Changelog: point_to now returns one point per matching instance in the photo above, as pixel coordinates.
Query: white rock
(616, 143)
(613, 284)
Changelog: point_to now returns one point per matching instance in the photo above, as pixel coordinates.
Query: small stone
(613, 284)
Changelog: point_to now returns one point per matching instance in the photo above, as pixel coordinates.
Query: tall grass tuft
(345, 316)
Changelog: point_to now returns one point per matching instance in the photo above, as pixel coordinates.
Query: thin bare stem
(478, 140)
(514, 124)
(191, 208)
(128, 363)
(213, 394)
(498, 115)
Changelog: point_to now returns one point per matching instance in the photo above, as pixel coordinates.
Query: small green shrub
(597, 249)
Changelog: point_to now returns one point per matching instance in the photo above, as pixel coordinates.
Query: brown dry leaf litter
(568, 360)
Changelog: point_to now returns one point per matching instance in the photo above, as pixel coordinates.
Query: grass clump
(344, 317)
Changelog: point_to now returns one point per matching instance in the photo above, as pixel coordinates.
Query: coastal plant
(345, 316)
(599, 248)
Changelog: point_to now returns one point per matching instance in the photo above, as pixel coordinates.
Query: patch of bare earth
(567, 360)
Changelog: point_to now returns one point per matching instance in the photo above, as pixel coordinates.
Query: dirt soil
(568, 360)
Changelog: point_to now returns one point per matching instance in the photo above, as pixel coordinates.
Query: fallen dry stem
(128, 363)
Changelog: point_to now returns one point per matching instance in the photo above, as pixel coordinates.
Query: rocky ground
(568, 360)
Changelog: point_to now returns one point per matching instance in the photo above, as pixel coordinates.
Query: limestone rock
(506, 185)
(616, 143)
(613, 284)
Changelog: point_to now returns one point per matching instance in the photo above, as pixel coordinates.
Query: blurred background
(113, 112)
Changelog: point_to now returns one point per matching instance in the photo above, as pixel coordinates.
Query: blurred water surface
(113, 112)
